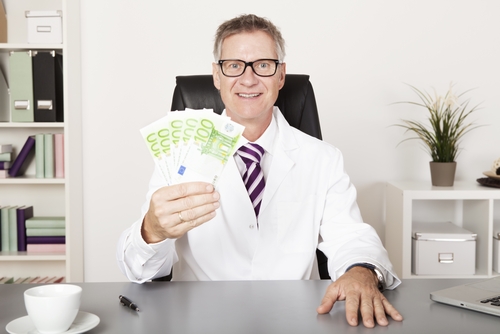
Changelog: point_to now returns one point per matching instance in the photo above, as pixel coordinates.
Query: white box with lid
(496, 252)
(44, 27)
(443, 249)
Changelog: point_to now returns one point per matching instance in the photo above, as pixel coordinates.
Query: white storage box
(496, 252)
(443, 249)
(44, 27)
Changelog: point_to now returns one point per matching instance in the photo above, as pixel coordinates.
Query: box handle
(44, 104)
(43, 28)
(22, 105)
(445, 257)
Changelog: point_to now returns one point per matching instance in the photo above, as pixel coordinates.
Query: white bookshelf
(466, 204)
(49, 197)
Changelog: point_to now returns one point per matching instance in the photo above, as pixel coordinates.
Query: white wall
(359, 55)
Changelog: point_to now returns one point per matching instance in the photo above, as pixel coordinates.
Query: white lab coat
(308, 203)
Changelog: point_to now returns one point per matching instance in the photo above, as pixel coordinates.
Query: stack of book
(46, 235)
(13, 227)
(48, 150)
(32, 280)
(5, 159)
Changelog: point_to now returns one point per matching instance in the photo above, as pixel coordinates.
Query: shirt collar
(267, 139)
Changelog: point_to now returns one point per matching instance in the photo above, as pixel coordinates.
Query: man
(308, 201)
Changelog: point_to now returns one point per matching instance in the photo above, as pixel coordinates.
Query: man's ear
(216, 75)
(282, 75)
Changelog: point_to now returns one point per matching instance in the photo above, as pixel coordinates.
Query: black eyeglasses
(261, 67)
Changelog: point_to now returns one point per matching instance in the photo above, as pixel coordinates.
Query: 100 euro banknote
(192, 145)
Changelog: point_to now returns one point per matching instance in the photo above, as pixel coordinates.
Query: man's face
(249, 99)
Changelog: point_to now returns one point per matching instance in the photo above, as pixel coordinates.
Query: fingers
(362, 297)
(328, 301)
(391, 310)
(176, 209)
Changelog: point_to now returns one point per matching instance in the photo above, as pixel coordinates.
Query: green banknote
(192, 145)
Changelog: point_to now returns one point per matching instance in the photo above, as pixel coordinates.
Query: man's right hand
(176, 209)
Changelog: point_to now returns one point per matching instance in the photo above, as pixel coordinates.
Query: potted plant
(442, 133)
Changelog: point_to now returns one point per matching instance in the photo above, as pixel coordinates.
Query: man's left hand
(359, 288)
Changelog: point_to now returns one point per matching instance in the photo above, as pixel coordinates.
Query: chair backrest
(296, 101)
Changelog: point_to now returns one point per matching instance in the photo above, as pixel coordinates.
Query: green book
(21, 86)
(46, 222)
(49, 155)
(39, 155)
(7, 156)
(4, 221)
(13, 228)
(45, 232)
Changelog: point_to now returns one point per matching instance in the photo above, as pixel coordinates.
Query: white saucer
(492, 175)
(83, 322)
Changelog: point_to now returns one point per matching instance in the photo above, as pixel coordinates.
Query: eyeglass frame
(249, 63)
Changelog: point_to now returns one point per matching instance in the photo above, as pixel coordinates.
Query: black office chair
(296, 101)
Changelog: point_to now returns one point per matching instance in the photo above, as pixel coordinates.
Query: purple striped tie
(251, 154)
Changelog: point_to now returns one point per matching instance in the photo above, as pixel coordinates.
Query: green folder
(21, 86)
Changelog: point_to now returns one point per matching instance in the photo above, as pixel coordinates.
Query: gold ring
(180, 217)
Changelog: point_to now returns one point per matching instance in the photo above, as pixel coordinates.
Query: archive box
(443, 249)
(44, 27)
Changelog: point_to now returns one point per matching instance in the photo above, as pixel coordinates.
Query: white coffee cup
(53, 307)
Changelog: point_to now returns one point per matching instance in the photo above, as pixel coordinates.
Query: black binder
(48, 86)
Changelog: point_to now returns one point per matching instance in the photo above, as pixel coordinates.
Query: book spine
(22, 214)
(46, 248)
(39, 155)
(46, 240)
(49, 155)
(4, 165)
(5, 229)
(22, 157)
(46, 222)
(13, 229)
(6, 157)
(48, 232)
(5, 148)
(59, 154)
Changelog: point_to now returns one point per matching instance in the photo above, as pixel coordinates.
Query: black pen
(128, 303)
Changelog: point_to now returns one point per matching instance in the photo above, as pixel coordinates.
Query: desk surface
(253, 307)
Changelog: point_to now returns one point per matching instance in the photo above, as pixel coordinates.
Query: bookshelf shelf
(48, 196)
(7, 47)
(31, 180)
(35, 125)
(23, 256)
(466, 204)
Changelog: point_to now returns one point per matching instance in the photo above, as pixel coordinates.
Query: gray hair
(248, 23)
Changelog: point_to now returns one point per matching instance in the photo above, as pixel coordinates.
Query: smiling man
(283, 195)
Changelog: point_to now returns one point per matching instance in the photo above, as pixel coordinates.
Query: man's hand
(176, 209)
(358, 287)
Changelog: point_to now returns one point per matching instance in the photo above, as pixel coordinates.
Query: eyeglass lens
(261, 67)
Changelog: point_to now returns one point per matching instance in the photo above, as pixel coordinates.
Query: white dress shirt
(308, 203)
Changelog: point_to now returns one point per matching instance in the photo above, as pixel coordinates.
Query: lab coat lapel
(282, 160)
(235, 197)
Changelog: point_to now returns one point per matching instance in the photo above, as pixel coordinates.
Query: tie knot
(251, 152)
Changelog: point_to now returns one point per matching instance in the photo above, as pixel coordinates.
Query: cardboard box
(496, 252)
(3, 23)
(443, 249)
(44, 27)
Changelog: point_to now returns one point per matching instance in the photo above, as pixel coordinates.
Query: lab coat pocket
(297, 232)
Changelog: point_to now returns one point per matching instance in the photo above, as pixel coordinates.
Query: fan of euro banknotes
(192, 145)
